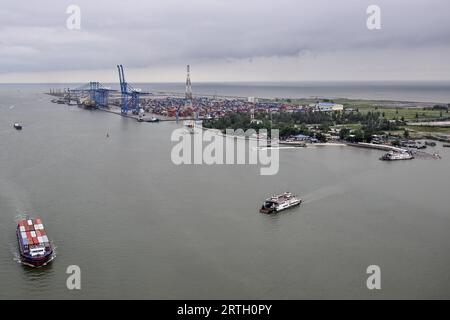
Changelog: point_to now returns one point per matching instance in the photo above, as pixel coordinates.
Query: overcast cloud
(225, 40)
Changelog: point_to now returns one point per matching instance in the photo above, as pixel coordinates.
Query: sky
(224, 40)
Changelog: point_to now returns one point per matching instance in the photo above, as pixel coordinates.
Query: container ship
(34, 246)
(279, 203)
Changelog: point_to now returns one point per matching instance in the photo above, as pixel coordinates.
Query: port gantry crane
(130, 95)
(98, 94)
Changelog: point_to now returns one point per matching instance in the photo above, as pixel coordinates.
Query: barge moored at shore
(34, 246)
(280, 203)
(396, 156)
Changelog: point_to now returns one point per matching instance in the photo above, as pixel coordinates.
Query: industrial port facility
(172, 106)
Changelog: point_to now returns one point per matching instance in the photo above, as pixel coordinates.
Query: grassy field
(409, 114)
(409, 111)
(414, 115)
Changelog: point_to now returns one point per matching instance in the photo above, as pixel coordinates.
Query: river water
(141, 227)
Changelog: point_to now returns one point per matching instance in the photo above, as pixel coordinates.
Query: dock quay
(381, 147)
(293, 144)
(146, 117)
(417, 154)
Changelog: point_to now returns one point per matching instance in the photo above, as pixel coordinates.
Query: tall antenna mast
(188, 88)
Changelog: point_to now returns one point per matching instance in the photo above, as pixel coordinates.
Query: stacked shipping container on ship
(34, 245)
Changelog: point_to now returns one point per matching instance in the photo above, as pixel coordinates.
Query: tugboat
(189, 124)
(34, 246)
(190, 127)
(279, 203)
(17, 126)
(395, 156)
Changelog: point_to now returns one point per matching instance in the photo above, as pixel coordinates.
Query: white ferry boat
(280, 203)
(395, 156)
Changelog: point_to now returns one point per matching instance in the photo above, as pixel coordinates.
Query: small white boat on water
(193, 127)
(153, 119)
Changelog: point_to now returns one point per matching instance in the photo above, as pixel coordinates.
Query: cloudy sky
(224, 40)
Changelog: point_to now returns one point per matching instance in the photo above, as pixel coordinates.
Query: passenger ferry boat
(34, 246)
(395, 156)
(279, 203)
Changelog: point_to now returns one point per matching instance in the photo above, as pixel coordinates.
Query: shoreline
(281, 144)
(433, 129)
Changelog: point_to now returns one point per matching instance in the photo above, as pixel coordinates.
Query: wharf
(382, 147)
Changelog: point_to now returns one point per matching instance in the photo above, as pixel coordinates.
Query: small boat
(189, 124)
(190, 127)
(34, 246)
(446, 145)
(153, 119)
(17, 126)
(430, 144)
(279, 203)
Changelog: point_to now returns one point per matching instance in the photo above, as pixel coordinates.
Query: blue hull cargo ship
(34, 245)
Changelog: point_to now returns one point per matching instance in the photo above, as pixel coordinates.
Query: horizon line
(244, 82)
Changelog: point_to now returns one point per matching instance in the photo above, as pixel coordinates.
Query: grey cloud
(145, 33)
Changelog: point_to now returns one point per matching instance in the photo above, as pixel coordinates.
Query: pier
(382, 147)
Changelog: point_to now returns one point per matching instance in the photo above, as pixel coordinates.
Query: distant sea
(435, 91)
